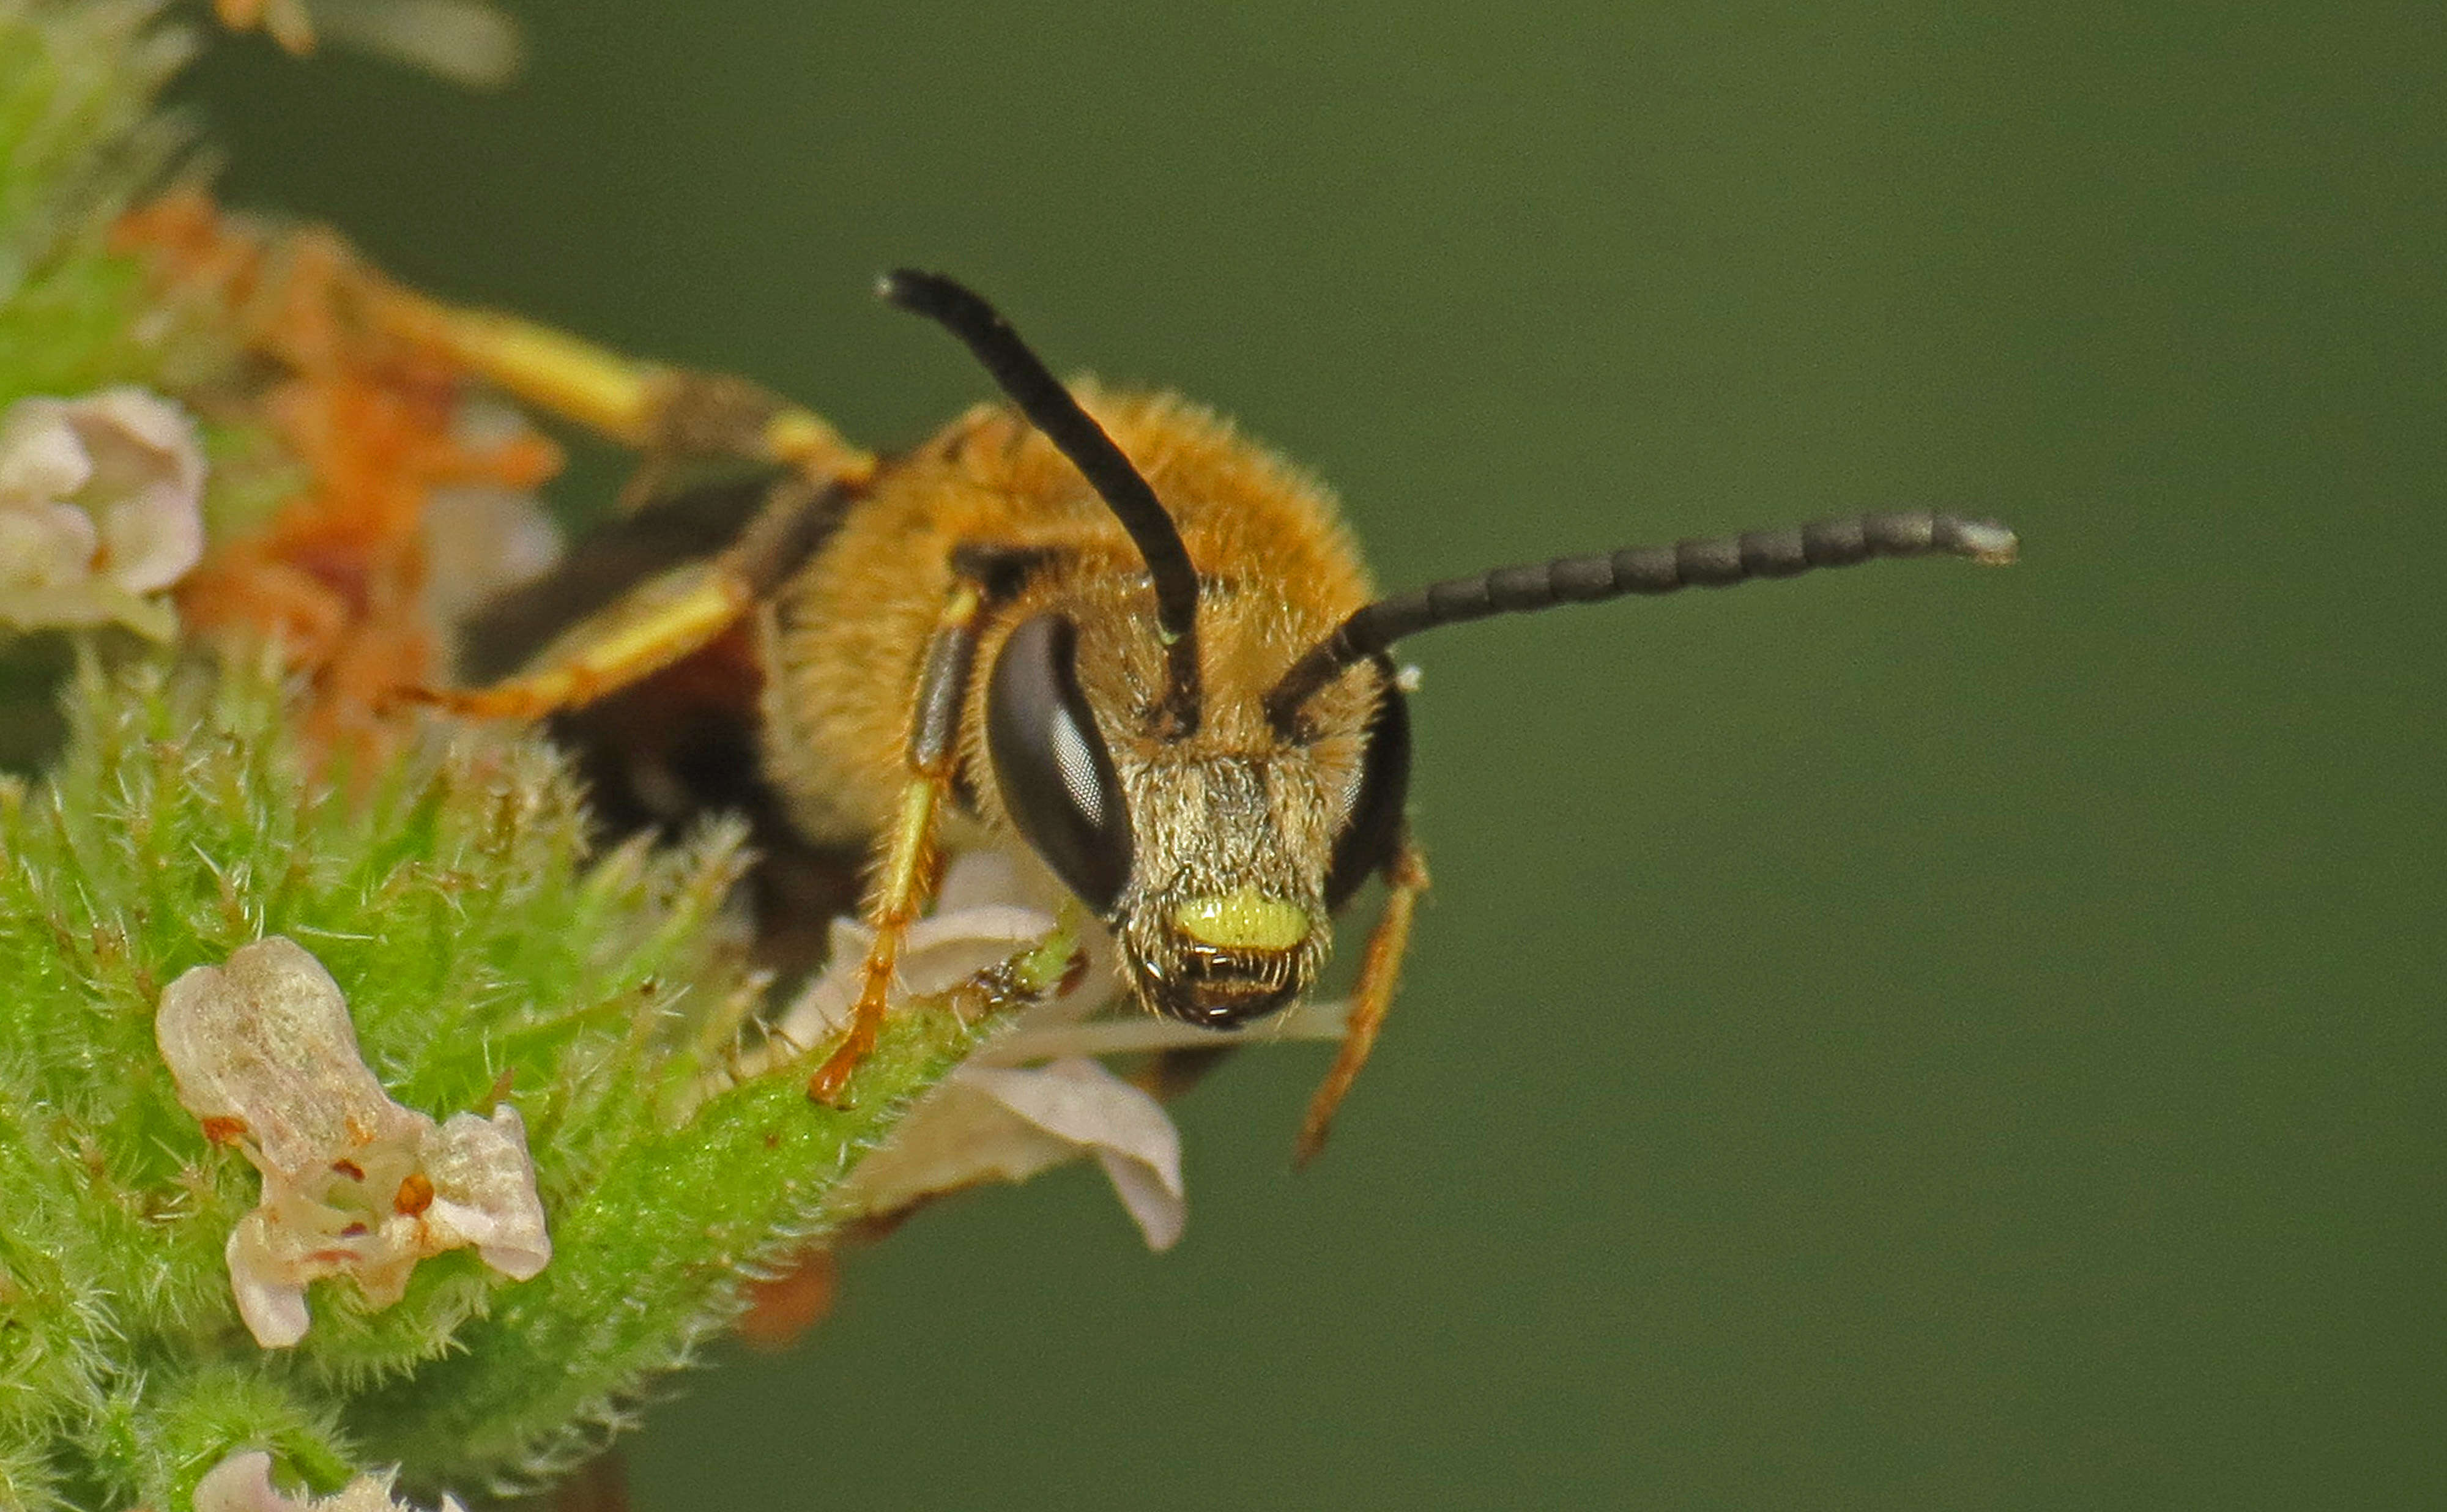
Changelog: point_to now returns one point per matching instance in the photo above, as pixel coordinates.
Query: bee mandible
(1098, 629)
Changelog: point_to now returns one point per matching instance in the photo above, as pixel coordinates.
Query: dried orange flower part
(353, 1184)
(343, 574)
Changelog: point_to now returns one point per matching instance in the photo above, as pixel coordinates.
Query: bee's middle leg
(664, 619)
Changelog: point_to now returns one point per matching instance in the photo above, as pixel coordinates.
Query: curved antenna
(1720, 562)
(1074, 433)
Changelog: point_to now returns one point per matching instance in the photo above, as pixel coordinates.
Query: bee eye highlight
(1056, 777)
(1374, 827)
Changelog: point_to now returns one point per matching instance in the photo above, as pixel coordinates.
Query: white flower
(1004, 1123)
(483, 538)
(353, 1184)
(242, 1482)
(1033, 1096)
(100, 505)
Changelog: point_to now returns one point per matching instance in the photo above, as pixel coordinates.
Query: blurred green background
(1912, 1037)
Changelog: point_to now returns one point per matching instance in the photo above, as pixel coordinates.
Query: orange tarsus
(512, 701)
(1380, 969)
(831, 1079)
(911, 869)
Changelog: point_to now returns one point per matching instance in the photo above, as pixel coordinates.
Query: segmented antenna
(1074, 433)
(1714, 563)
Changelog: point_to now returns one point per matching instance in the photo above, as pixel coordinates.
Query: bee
(1098, 629)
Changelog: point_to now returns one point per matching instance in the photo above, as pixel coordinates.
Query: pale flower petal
(242, 1482)
(483, 538)
(353, 1184)
(484, 1193)
(271, 1297)
(127, 465)
(45, 546)
(1154, 1203)
(264, 1043)
(982, 879)
(960, 1136)
(1129, 1132)
(995, 1124)
(40, 458)
(147, 485)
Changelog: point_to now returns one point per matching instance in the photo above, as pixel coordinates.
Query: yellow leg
(906, 877)
(1380, 968)
(660, 410)
(665, 618)
(651, 627)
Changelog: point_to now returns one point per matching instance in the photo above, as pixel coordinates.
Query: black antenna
(1717, 563)
(1074, 433)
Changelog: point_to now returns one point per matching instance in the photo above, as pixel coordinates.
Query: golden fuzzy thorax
(1233, 808)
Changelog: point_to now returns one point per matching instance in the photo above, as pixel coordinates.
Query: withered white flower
(353, 1184)
(242, 1482)
(1033, 1096)
(99, 506)
(467, 42)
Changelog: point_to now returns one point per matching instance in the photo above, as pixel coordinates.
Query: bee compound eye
(1051, 763)
(1373, 825)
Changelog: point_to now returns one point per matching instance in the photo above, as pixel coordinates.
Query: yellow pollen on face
(1244, 920)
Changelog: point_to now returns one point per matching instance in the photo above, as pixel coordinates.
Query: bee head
(1218, 859)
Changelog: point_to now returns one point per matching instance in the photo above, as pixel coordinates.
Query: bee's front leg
(906, 872)
(1380, 968)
